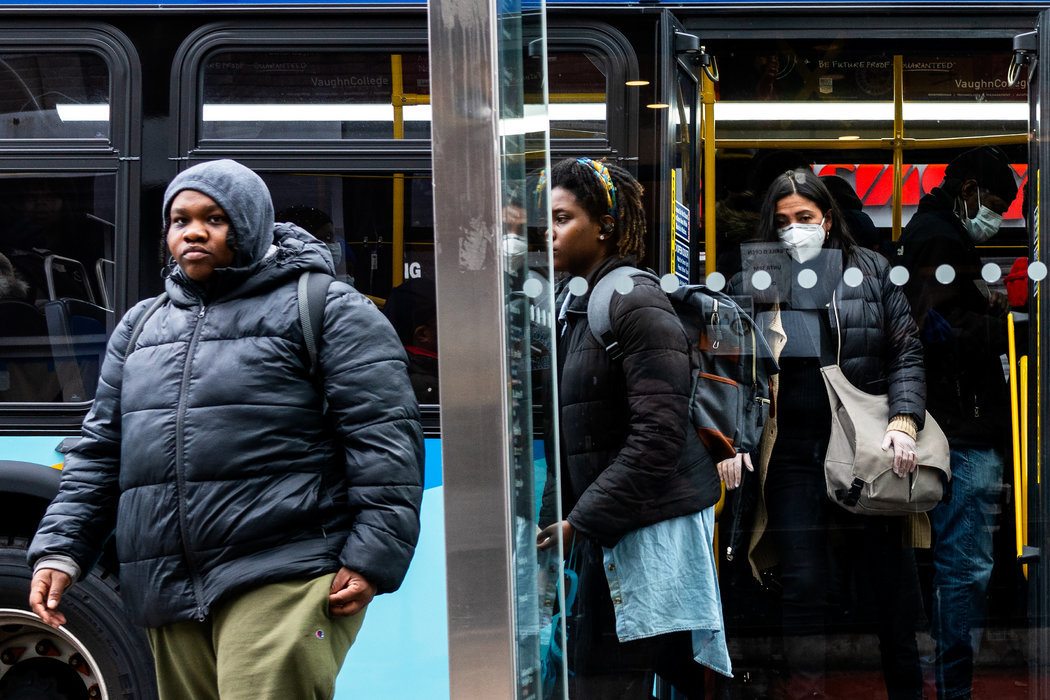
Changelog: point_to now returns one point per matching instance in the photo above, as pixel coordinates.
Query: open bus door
(678, 204)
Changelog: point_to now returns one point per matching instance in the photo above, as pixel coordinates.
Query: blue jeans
(962, 554)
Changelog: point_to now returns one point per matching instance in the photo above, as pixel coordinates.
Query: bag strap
(158, 302)
(311, 293)
(598, 307)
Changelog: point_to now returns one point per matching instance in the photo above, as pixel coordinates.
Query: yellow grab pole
(1023, 378)
(707, 98)
(898, 143)
(397, 100)
(1014, 419)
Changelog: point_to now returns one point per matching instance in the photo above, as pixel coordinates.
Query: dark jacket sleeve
(376, 420)
(83, 514)
(656, 373)
(906, 373)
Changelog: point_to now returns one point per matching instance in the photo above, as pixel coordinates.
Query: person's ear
(968, 188)
(607, 226)
(828, 221)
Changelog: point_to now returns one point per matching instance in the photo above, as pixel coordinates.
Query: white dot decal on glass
(578, 286)
(853, 277)
(761, 280)
(716, 281)
(669, 283)
(807, 279)
(991, 273)
(899, 275)
(945, 274)
(532, 288)
(624, 285)
(1037, 271)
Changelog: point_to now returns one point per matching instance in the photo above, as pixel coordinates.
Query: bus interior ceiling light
(870, 111)
(83, 113)
(311, 113)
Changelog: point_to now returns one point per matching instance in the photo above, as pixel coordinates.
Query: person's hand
(350, 593)
(729, 470)
(904, 458)
(45, 592)
(548, 536)
(999, 304)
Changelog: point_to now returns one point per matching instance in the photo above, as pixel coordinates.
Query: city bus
(101, 105)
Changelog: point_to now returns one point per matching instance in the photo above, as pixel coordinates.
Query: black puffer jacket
(206, 449)
(627, 451)
(881, 353)
(962, 336)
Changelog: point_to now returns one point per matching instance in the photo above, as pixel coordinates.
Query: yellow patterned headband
(606, 179)
(603, 176)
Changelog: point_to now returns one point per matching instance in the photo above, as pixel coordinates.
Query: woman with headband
(639, 488)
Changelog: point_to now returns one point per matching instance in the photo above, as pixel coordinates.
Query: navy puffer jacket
(631, 457)
(206, 448)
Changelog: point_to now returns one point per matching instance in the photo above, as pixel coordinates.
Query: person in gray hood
(256, 510)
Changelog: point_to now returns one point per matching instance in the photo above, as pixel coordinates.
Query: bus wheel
(97, 655)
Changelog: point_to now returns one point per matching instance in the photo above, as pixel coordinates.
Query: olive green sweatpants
(275, 642)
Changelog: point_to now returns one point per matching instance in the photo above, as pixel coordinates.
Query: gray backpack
(730, 361)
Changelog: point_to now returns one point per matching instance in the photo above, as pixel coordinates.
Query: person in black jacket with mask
(821, 300)
(963, 329)
(257, 510)
(635, 468)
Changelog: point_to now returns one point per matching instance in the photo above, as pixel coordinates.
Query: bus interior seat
(105, 273)
(26, 366)
(67, 278)
(77, 330)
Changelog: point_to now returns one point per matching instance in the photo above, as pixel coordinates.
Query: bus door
(678, 211)
(1028, 356)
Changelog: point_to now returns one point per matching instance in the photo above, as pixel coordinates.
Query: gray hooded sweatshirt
(207, 449)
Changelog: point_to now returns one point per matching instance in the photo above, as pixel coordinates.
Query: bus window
(54, 96)
(54, 319)
(356, 217)
(315, 95)
(577, 95)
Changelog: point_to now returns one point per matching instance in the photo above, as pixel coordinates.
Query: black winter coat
(629, 454)
(207, 451)
(962, 337)
(881, 353)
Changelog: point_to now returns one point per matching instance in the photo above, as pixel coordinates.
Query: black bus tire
(97, 627)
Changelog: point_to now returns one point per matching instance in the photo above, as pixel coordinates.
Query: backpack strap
(598, 307)
(312, 293)
(158, 301)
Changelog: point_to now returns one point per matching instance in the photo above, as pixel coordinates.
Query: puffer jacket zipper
(180, 471)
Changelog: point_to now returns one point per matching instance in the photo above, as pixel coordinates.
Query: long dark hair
(804, 183)
(579, 176)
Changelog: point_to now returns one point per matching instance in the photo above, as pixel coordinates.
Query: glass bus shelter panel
(54, 95)
(56, 272)
(577, 95)
(315, 95)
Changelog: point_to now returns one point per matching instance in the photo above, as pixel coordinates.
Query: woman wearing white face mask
(867, 328)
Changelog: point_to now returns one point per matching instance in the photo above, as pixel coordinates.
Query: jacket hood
(243, 196)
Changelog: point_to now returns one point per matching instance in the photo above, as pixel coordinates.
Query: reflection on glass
(52, 95)
(530, 340)
(55, 250)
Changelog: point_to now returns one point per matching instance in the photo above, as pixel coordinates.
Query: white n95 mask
(803, 241)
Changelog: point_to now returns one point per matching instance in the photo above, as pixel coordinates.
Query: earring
(601, 237)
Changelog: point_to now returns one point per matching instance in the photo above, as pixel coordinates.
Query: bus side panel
(402, 651)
